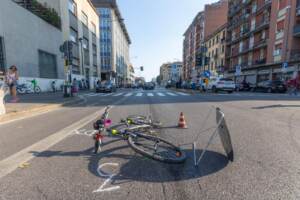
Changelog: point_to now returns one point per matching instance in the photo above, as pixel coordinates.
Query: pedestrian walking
(53, 85)
(75, 86)
(11, 79)
(293, 85)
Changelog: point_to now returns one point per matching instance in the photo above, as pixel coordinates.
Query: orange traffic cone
(182, 123)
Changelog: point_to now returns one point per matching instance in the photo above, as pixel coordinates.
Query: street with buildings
(219, 122)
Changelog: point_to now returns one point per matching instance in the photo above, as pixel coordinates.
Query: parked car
(244, 86)
(271, 86)
(106, 87)
(149, 86)
(217, 84)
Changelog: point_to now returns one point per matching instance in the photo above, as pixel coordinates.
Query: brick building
(205, 23)
(193, 38)
(263, 36)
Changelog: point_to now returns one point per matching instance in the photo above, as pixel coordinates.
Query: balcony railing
(297, 30)
(295, 55)
(298, 10)
(48, 14)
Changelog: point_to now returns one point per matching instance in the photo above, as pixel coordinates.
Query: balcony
(297, 30)
(48, 14)
(260, 61)
(295, 55)
(298, 11)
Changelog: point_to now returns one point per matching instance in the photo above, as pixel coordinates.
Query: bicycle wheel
(37, 89)
(156, 148)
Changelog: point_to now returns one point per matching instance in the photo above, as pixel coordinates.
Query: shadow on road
(276, 106)
(139, 168)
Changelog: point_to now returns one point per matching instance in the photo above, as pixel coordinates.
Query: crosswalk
(137, 94)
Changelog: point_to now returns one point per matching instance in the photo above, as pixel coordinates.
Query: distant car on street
(217, 84)
(106, 87)
(271, 86)
(149, 86)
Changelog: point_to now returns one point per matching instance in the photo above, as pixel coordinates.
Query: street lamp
(81, 50)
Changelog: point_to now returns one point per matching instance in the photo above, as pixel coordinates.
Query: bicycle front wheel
(37, 89)
(156, 148)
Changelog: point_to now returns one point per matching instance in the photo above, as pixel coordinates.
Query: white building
(31, 41)
(114, 41)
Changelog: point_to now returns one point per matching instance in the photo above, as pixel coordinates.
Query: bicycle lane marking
(12, 162)
(109, 178)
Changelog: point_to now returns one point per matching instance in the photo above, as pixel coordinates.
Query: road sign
(207, 73)
(284, 66)
(238, 70)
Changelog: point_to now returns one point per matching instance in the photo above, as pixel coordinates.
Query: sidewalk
(32, 104)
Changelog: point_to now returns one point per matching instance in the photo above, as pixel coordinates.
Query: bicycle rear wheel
(156, 148)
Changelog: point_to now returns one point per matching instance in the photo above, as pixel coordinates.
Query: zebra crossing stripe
(161, 94)
(172, 94)
(119, 94)
(183, 94)
(128, 94)
(139, 94)
(92, 94)
(105, 95)
(150, 94)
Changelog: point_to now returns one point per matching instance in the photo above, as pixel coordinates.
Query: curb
(38, 110)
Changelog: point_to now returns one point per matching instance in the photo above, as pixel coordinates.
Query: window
(2, 57)
(93, 28)
(72, 6)
(85, 43)
(73, 35)
(85, 19)
(47, 65)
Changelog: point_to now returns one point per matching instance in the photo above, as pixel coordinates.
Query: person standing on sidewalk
(11, 79)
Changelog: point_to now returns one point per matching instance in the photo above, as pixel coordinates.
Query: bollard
(2, 95)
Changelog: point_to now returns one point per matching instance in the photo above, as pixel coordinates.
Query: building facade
(263, 40)
(171, 73)
(203, 26)
(193, 39)
(80, 23)
(215, 45)
(35, 45)
(30, 42)
(114, 41)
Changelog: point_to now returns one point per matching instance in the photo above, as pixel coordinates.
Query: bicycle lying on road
(139, 132)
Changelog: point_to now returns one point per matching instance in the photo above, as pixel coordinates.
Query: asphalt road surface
(49, 156)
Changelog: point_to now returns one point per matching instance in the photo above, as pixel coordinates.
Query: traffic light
(207, 60)
(199, 60)
(142, 68)
(66, 49)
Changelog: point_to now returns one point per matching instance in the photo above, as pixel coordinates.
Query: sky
(156, 28)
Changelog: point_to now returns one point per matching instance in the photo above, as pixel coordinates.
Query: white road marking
(161, 94)
(150, 94)
(109, 178)
(172, 94)
(139, 94)
(183, 94)
(92, 94)
(128, 94)
(105, 95)
(12, 162)
(119, 94)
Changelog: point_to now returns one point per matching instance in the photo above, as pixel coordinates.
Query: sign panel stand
(222, 130)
